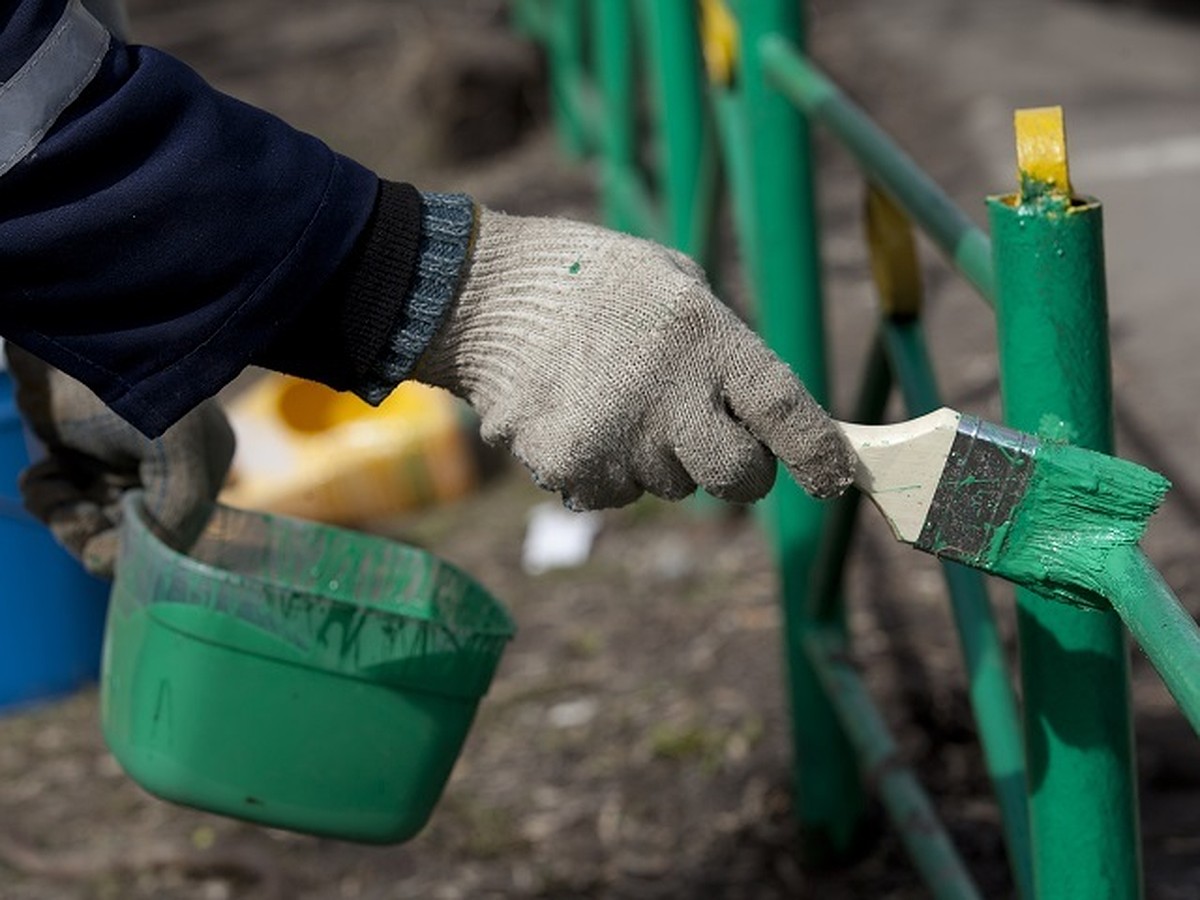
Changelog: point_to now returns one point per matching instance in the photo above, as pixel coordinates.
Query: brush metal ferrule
(984, 479)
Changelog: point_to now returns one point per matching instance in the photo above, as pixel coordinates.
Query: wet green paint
(1036, 190)
(1079, 506)
(1165, 630)
(328, 676)
(1056, 429)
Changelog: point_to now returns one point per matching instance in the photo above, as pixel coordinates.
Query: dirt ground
(635, 742)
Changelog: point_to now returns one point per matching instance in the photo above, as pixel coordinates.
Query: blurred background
(635, 742)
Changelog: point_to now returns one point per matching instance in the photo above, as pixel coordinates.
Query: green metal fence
(683, 103)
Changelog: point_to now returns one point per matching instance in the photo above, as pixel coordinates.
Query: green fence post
(729, 122)
(1053, 335)
(688, 164)
(898, 283)
(830, 799)
(616, 78)
(565, 49)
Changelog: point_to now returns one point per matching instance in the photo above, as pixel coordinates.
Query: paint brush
(1040, 513)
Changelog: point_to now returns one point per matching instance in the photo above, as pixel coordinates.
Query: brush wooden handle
(901, 465)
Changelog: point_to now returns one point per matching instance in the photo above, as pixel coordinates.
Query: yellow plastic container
(308, 451)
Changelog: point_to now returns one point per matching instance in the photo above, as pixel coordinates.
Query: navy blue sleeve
(162, 234)
(387, 303)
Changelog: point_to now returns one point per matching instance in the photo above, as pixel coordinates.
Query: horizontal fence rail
(965, 244)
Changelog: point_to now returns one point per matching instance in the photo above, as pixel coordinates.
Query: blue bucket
(51, 611)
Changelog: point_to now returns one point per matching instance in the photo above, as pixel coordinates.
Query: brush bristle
(1078, 506)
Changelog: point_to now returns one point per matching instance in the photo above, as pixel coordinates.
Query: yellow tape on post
(1042, 153)
(719, 33)
(893, 257)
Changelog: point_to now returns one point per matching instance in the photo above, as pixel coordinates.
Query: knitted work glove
(93, 456)
(607, 366)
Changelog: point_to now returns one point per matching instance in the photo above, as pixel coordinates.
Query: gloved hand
(94, 456)
(607, 366)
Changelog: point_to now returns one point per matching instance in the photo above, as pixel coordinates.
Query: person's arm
(155, 237)
(159, 236)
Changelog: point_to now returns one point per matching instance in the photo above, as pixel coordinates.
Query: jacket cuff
(375, 319)
(447, 223)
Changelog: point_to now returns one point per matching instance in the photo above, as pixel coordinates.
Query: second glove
(93, 456)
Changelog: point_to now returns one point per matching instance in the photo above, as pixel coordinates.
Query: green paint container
(294, 674)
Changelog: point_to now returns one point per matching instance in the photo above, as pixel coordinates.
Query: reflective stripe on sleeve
(50, 80)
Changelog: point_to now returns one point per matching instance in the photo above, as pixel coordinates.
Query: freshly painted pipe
(1055, 380)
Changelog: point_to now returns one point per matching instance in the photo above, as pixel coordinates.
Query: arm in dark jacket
(162, 235)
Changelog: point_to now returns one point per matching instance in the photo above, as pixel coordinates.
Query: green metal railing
(1060, 762)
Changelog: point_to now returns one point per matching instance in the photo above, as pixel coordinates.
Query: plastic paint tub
(51, 610)
(294, 674)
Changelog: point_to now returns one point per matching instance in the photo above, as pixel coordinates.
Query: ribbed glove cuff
(447, 223)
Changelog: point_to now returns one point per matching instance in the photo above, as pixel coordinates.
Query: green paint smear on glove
(1079, 506)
